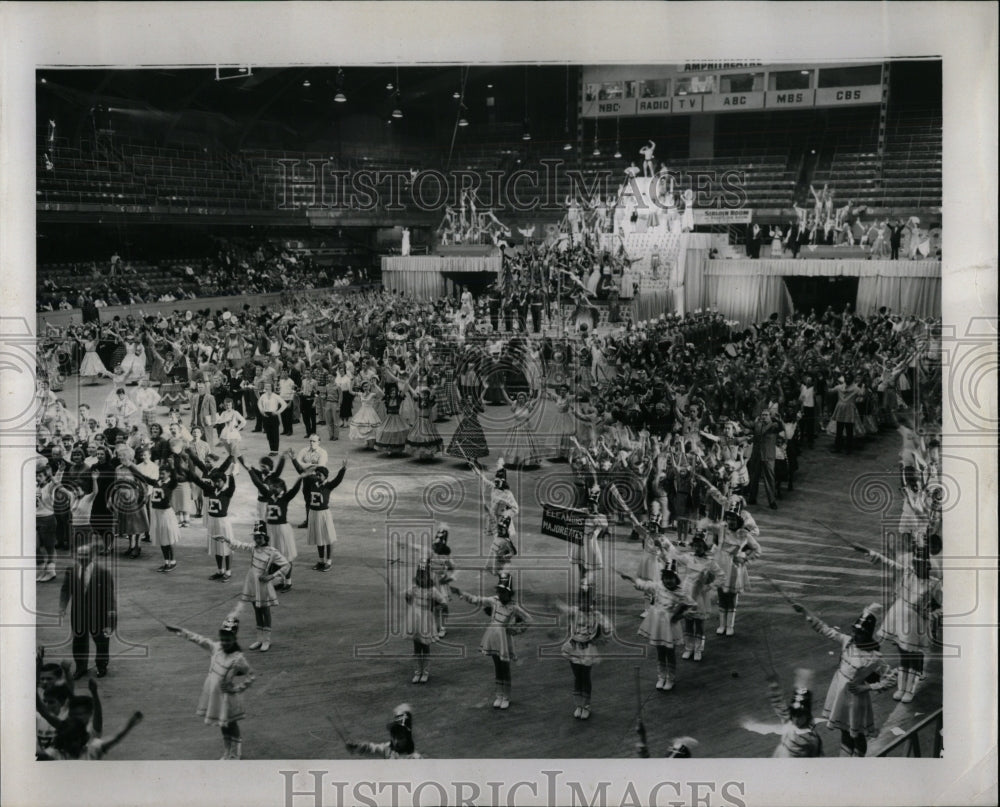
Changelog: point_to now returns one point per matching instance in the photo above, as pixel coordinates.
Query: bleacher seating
(909, 177)
(125, 173)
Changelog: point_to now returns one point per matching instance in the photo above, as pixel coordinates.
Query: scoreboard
(610, 91)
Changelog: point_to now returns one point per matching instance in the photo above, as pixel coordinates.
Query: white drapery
(751, 290)
(422, 276)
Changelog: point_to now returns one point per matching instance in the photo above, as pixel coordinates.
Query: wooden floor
(341, 656)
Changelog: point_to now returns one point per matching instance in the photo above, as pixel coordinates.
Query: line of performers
(676, 576)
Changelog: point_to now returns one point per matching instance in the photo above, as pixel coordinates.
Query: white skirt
(321, 531)
(283, 539)
(218, 527)
(163, 529)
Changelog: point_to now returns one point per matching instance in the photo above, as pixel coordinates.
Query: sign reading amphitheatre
(563, 522)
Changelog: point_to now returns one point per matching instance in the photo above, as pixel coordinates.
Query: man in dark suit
(204, 412)
(895, 239)
(493, 298)
(792, 238)
(761, 466)
(89, 590)
(754, 236)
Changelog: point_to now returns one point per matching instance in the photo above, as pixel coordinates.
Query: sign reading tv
(621, 91)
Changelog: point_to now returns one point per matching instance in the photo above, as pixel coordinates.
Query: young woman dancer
(163, 528)
(219, 487)
(662, 624)
(862, 671)
(228, 676)
(588, 627)
(507, 620)
(421, 599)
(266, 563)
(400, 744)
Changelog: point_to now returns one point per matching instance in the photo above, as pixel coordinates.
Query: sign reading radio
(681, 104)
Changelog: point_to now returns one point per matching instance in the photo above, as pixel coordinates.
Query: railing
(910, 741)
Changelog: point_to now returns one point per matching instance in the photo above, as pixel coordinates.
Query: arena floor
(340, 659)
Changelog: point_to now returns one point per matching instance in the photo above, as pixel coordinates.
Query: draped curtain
(751, 290)
(747, 298)
(415, 283)
(691, 265)
(920, 296)
(652, 303)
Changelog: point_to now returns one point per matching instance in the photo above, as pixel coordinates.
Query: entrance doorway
(816, 293)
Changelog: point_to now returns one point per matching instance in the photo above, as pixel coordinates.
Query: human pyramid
(468, 225)
(669, 426)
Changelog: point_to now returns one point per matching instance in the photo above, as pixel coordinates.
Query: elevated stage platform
(428, 277)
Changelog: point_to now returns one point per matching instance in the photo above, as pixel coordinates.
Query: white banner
(711, 215)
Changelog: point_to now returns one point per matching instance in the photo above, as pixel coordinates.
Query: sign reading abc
(734, 102)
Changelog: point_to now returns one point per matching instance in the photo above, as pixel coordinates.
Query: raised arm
(338, 478)
(191, 636)
(132, 722)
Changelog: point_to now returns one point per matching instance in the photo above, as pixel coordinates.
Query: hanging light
(340, 98)
(389, 86)
(397, 111)
(456, 95)
(306, 83)
(568, 145)
(618, 153)
(596, 152)
(462, 120)
(526, 135)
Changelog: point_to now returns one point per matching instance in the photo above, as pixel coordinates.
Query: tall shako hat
(402, 719)
(801, 702)
(869, 620)
(505, 583)
(670, 571)
(734, 509)
(681, 747)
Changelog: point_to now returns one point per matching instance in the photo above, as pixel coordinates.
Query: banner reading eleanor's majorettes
(563, 522)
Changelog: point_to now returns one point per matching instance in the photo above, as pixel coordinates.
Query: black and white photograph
(500, 407)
